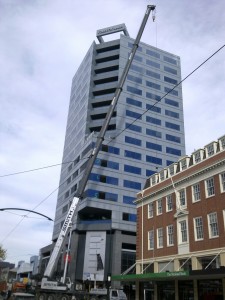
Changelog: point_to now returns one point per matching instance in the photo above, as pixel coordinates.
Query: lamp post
(28, 210)
(108, 284)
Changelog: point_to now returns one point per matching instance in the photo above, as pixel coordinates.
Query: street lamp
(29, 210)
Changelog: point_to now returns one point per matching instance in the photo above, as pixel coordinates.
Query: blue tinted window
(153, 64)
(173, 151)
(152, 74)
(132, 184)
(136, 68)
(134, 90)
(132, 169)
(154, 160)
(92, 193)
(154, 133)
(107, 164)
(153, 120)
(133, 127)
(150, 172)
(128, 200)
(103, 178)
(111, 196)
(137, 58)
(112, 180)
(172, 92)
(153, 96)
(170, 80)
(152, 53)
(172, 126)
(130, 45)
(133, 114)
(171, 102)
(94, 177)
(102, 195)
(170, 60)
(129, 217)
(153, 146)
(134, 102)
(153, 108)
(170, 70)
(132, 154)
(113, 165)
(172, 114)
(173, 138)
(134, 79)
(131, 140)
(110, 149)
(153, 85)
(169, 162)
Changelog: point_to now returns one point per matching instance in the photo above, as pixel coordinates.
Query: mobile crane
(61, 290)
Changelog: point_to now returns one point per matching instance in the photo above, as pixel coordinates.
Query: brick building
(181, 229)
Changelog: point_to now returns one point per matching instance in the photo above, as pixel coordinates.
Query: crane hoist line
(61, 289)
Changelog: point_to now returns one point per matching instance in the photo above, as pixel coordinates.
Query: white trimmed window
(198, 226)
(159, 207)
(210, 149)
(169, 203)
(151, 239)
(197, 157)
(222, 182)
(210, 189)
(159, 237)
(170, 235)
(222, 143)
(196, 192)
(184, 164)
(150, 210)
(213, 225)
(183, 234)
(182, 198)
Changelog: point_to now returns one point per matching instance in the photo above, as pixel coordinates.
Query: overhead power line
(156, 102)
(37, 169)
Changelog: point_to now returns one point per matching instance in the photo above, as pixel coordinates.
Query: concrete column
(116, 256)
(176, 290)
(156, 267)
(222, 259)
(138, 268)
(137, 290)
(195, 286)
(176, 264)
(195, 264)
(223, 285)
(155, 291)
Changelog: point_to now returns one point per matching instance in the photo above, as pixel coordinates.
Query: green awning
(150, 276)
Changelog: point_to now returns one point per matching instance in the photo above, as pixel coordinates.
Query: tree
(2, 253)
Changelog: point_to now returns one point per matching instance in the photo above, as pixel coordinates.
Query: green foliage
(3, 253)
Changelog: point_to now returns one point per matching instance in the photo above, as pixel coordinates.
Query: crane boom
(79, 195)
(118, 91)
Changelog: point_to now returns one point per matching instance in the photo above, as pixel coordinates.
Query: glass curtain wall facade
(146, 134)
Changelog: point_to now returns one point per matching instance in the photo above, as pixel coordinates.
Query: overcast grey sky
(42, 44)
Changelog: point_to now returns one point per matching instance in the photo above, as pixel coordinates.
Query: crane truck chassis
(63, 289)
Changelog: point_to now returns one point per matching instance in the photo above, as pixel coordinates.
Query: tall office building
(145, 135)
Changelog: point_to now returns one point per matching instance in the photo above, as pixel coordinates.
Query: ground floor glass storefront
(210, 289)
(186, 290)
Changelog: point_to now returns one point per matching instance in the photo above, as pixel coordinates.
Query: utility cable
(45, 167)
(38, 169)
(111, 138)
(157, 101)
